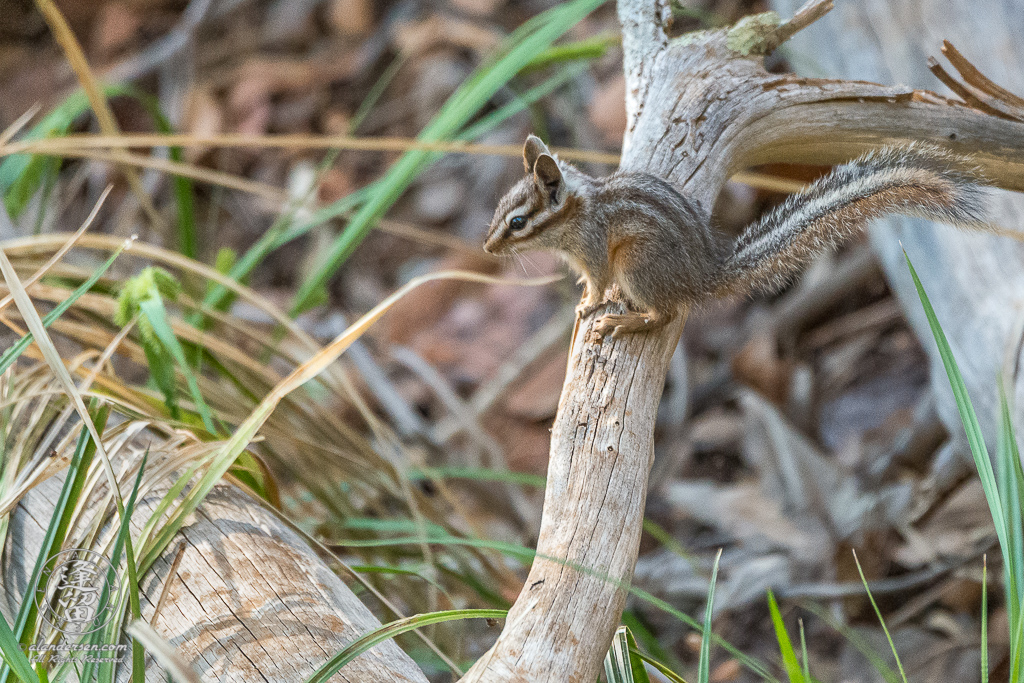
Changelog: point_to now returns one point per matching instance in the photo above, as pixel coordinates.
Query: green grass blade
(661, 535)
(1009, 537)
(280, 233)
(21, 175)
(528, 554)
(283, 231)
(984, 619)
(803, 651)
(1016, 644)
(789, 658)
(123, 544)
(188, 236)
(56, 531)
(158, 514)
(636, 663)
(478, 474)
(388, 631)
(375, 93)
(177, 669)
(1009, 472)
(488, 121)
(153, 309)
(623, 663)
(617, 667)
(645, 639)
(454, 114)
(970, 420)
(1009, 468)
(855, 639)
(594, 47)
(18, 348)
(704, 666)
(13, 655)
(398, 571)
(662, 669)
(881, 620)
(138, 653)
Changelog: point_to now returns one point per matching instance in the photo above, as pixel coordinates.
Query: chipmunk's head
(537, 210)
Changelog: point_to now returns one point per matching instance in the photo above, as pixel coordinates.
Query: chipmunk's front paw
(583, 310)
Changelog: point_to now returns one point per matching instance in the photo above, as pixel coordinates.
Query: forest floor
(794, 428)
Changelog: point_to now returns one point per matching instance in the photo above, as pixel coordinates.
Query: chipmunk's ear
(547, 176)
(532, 150)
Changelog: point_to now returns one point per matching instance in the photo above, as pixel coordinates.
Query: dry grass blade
(63, 250)
(53, 359)
(64, 36)
(185, 170)
(18, 124)
(315, 365)
(74, 145)
(229, 450)
(43, 243)
(346, 142)
(169, 658)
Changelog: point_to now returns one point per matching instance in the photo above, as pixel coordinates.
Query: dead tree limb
(248, 599)
(700, 108)
(975, 282)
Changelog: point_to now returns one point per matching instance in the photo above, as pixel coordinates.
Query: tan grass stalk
(65, 248)
(64, 145)
(64, 36)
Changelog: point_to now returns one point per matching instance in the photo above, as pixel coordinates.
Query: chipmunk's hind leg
(638, 292)
(619, 324)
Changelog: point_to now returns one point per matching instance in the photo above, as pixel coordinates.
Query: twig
(809, 13)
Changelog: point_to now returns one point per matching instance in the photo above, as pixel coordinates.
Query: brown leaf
(204, 115)
(115, 27)
(350, 17)
(537, 397)
(480, 8)
(758, 365)
(444, 31)
(729, 670)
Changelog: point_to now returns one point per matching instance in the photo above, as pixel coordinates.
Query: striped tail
(914, 180)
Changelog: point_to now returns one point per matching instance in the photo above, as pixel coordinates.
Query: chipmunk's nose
(489, 245)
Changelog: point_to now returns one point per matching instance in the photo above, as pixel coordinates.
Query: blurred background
(794, 427)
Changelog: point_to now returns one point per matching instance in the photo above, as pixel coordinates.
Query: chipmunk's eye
(517, 223)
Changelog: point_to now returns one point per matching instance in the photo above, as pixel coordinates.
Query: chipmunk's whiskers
(519, 259)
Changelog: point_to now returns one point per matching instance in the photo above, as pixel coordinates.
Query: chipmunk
(637, 231)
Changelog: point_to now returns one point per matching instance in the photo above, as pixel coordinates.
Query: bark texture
(248, 601)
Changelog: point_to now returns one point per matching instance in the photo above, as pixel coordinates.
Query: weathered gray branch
(699, 111)
(975, 282)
